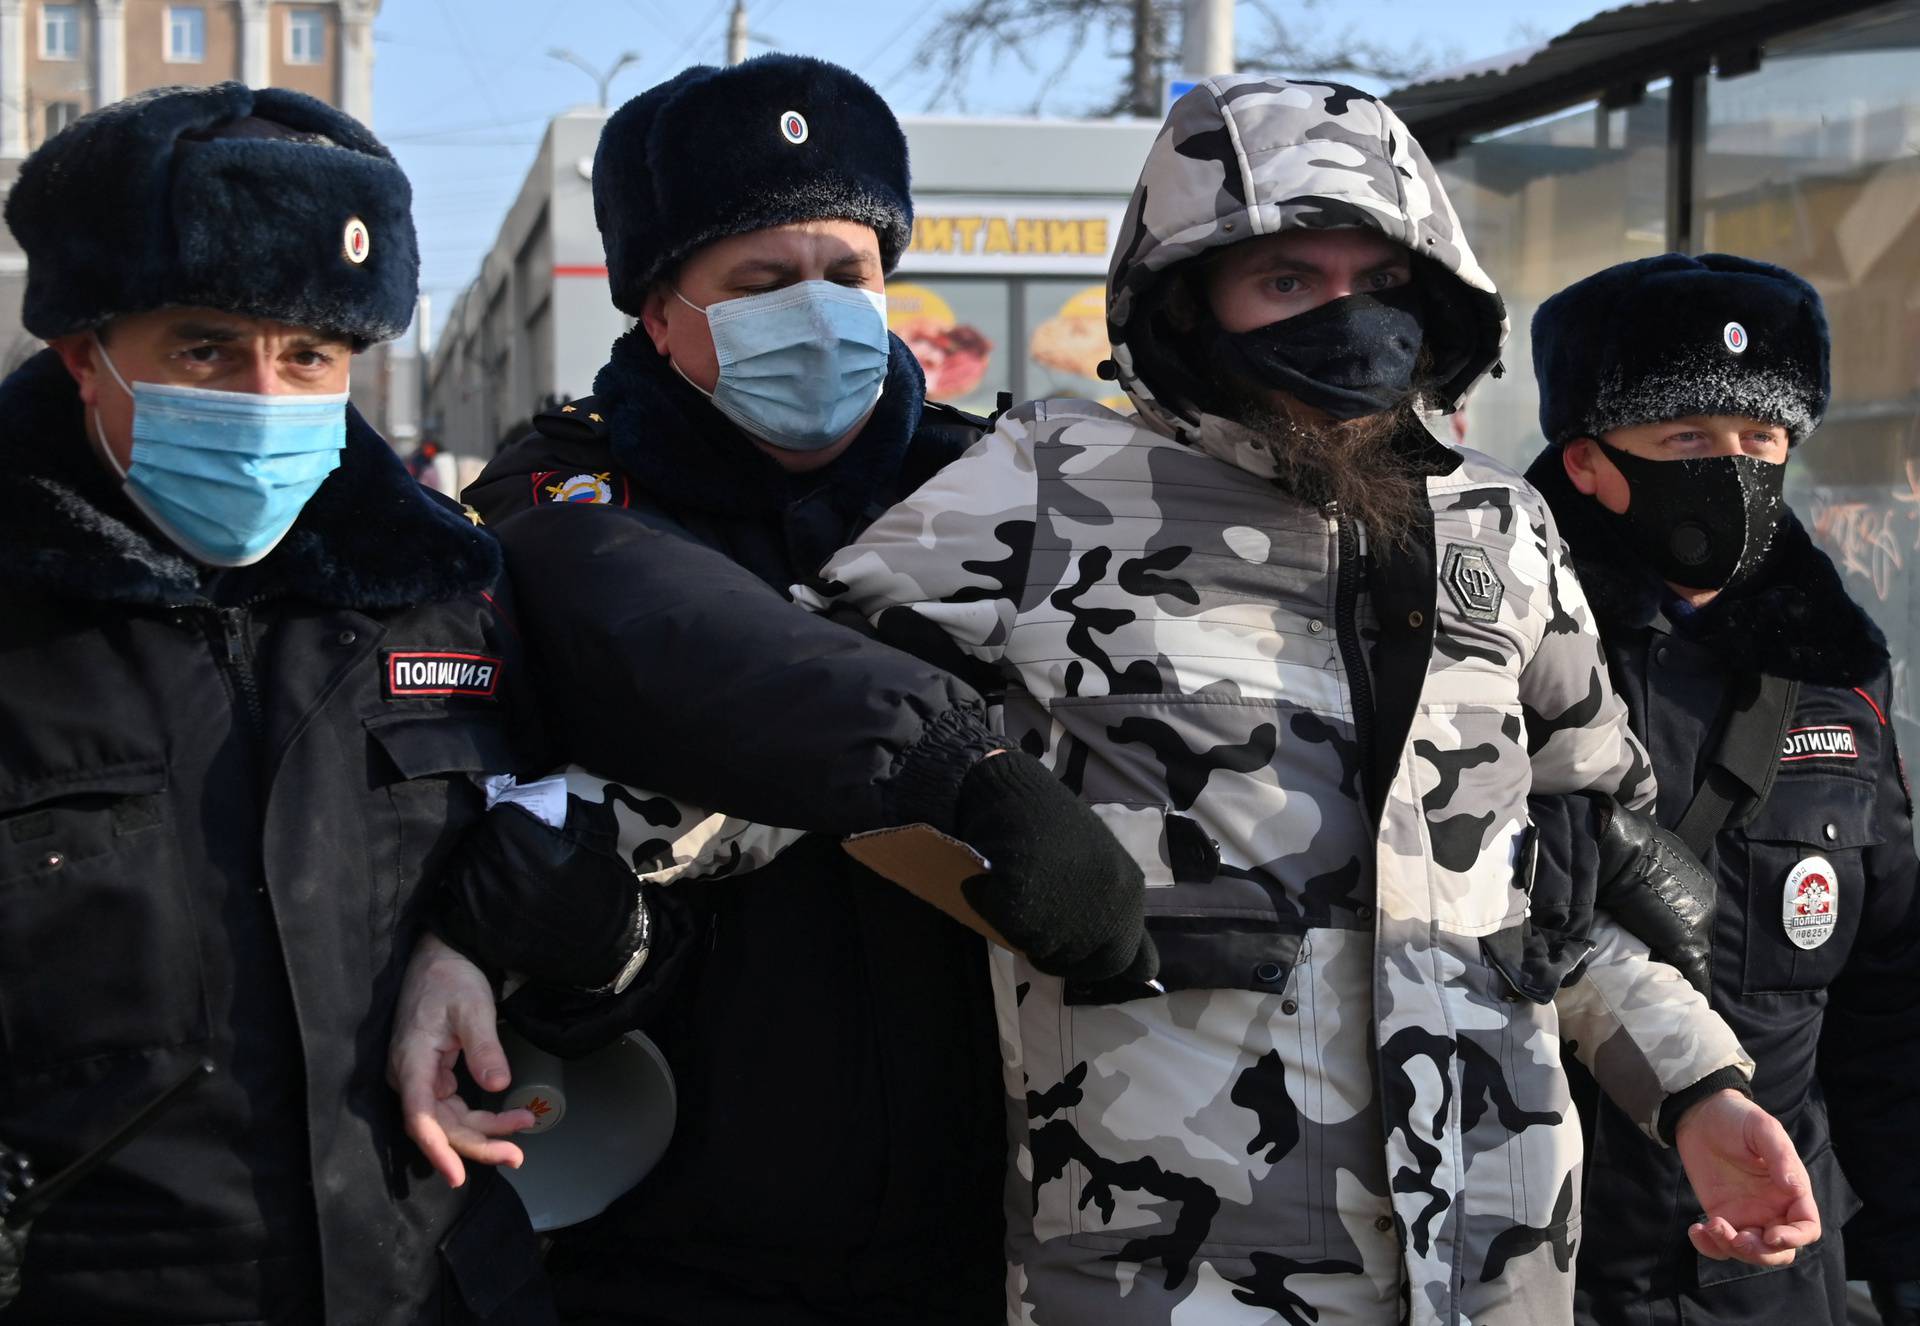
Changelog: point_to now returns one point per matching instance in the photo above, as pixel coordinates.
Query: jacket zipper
(237, 659)
(1347, 631)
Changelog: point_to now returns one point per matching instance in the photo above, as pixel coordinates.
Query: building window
(186, 34)
(306, 36)
(60, 114)
(60, 32)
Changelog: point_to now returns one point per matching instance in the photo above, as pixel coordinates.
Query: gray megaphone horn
(601, 1123)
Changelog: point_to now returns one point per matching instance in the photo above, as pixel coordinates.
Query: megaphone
(601, 1123)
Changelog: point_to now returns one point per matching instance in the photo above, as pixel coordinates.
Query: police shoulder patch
(417, 674)
(602, 488)
(1472, 583)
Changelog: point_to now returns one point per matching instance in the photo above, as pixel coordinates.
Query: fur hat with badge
(263, 202)
(1671, 336)
(715, 152)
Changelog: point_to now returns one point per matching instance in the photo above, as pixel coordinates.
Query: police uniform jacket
(219, 798)
(1832, 1018)
(836, 1156)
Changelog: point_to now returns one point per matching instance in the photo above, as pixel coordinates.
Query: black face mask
(1706, 523)
(1350, 358)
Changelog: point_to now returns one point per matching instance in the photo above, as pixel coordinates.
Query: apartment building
(59, 60)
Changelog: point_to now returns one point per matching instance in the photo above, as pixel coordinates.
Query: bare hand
(1757, 1200)
(446, 1009)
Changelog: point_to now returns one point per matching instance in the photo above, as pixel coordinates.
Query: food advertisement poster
(1066, 324)
(959, 332)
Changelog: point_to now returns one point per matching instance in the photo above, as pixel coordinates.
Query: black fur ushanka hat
(146, 204)
(715, 152)
(1671, 336)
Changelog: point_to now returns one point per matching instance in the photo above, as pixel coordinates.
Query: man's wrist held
(1681, 1103)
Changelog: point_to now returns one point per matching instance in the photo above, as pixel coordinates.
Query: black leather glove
(559, 906)
(1652, 885)
(16, 1176)
(1060, 888)
(1897, 1301)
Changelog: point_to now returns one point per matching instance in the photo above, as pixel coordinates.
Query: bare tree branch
(996, 29)
(976, 36)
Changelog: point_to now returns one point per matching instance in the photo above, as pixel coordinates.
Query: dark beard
(1356, 463)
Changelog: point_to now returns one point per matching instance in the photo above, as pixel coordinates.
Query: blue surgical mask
(224, 474)
(800, 365)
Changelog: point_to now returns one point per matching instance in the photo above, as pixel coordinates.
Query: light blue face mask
(224, 474)
(800, 365)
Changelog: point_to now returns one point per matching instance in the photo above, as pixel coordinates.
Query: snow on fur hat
(716, 152)
(1675, 335)
(182, 196)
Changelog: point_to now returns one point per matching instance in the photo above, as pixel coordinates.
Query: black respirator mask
(1350, 358)
(1705, 523)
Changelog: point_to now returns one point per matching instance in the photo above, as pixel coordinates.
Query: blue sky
(462, 88)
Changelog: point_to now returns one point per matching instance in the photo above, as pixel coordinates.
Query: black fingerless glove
(1060, 888)
(559, 906)
(1654, 887)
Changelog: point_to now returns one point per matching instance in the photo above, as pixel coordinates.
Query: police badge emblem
(1810, 902)
(1472, 583)
(582, 488)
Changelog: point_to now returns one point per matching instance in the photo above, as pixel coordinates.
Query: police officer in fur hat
(246, 665)
(1674, 392)
(838, 1156)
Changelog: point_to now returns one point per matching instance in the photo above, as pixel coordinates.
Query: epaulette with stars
(576, 421)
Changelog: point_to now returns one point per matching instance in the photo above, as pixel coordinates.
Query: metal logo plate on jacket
(1476, 588)
(1810, 902)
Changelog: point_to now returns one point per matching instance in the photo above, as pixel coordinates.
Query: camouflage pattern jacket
(1338, 1112)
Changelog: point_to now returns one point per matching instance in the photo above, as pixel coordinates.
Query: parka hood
(1243, 156)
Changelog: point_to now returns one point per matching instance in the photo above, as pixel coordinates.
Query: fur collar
(686, 453)
(371, 538)
(1794, 620)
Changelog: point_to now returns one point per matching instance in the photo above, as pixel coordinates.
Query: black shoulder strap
(1744, 761)
(939, 412)
(579, 420)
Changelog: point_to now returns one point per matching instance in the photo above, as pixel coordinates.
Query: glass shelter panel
(1066, 341)
(1544, 204)
(961, 330)
(1813, 162)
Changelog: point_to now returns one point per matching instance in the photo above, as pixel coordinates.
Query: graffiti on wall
(1871, 540)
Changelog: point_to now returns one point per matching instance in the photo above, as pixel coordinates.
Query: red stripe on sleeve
(1871, 705)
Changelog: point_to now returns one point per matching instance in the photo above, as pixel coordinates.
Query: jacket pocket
(1178, 859)
(1206, 953)
(1210, 1121)
(1806, 882)
(422, 745)
(490, 1263)
(425, 771)
(99, 950)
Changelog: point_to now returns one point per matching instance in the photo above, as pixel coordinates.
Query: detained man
(1314, 668)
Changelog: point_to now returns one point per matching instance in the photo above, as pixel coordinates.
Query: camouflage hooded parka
(1337, 1112)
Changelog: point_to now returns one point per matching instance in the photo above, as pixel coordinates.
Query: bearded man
(1310, 664)
(1335, 687)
